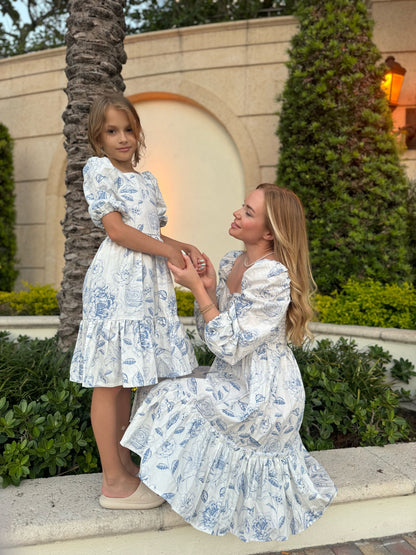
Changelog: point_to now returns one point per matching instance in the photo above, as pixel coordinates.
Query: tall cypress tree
(337, 149)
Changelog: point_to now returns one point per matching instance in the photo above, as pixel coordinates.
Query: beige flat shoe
(142, 498)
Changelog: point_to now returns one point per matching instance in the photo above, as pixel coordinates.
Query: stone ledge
(65, 509)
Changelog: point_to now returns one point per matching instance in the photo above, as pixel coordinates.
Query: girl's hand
(176, 259)
(197, 259)
(186, 276)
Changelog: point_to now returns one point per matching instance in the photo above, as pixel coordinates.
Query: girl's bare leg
(123, 408)
(105, 419)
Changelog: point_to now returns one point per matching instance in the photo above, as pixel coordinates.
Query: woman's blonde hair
(285, 218)
(96, 121)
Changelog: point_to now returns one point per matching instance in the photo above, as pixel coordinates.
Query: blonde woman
(224, 449)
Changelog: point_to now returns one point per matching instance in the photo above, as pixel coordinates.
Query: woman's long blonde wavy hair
(285, 218)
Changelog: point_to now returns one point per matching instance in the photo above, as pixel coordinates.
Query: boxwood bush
(36, 300)
(369, 303)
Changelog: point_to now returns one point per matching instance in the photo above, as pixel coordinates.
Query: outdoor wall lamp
(391, 85)
(393, 80)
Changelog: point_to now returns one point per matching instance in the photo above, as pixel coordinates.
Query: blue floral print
(130, 333)
(222, 446)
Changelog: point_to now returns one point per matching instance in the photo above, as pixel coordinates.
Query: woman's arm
(133, 239)
(202, 287)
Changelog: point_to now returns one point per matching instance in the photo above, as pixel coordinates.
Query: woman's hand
(209, 277)
(186, 276)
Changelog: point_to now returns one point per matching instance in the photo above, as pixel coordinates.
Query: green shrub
(29, 367)
(8, 244)
(46, 437)
(348, 402)
(38, 300)
(412, 224)
(185, 302)
(45, 425)
(337, 150)
(44, 418)
(369, 303)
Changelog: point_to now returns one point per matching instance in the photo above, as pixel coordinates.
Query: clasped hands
(191, 276)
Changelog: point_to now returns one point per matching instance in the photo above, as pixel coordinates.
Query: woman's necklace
(261, 258)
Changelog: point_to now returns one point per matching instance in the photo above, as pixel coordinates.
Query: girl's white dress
(224, 449)
(130, 333)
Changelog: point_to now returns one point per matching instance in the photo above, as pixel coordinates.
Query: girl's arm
(194, 253)
(133, 239)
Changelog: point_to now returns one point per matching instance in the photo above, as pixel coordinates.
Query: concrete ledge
(376, 497)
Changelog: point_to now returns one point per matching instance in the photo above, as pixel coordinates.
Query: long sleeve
(253, 315)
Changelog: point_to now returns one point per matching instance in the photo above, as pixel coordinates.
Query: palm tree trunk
(95, 56)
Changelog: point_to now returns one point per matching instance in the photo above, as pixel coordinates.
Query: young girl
(130, 334)
(224, 450)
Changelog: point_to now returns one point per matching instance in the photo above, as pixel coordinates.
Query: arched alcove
(204, 165)
(198, 167)
(55, 212)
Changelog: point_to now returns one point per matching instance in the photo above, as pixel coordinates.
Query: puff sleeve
(158, 199)
(103, 185)
(251, 317)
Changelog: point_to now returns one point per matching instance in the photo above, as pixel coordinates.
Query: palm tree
(95, 56)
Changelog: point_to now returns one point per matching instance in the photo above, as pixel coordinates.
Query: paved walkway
(396, 545)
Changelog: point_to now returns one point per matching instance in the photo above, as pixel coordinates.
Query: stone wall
(207, 99)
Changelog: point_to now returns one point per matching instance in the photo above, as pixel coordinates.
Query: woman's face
(249, 223)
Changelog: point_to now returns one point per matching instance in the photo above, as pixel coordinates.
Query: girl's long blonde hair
(285, 218)
(96, 121)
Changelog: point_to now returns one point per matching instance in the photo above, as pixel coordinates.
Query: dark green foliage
(412, 222)
(8, 246)
(348, 402)
(403, 370)
(29, 367)
(47, 437)
(45, 428)
(36, 25)
(337, 150)
(204, 356)
(369, 303)
(170, 14)
(43, 23)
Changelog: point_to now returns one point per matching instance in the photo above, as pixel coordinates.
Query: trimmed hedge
(369, 303)
(8, 243)
(38, 300)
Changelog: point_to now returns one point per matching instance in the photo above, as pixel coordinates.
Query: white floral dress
(224, 449)
(130, 333)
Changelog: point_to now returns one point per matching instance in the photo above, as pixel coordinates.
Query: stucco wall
(207, 99)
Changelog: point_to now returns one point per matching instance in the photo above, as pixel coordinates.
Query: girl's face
(117, 139)
(249, 223)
